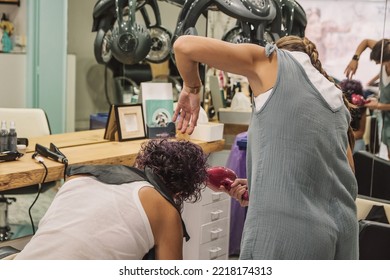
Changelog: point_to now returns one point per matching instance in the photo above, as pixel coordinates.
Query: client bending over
(121, 212)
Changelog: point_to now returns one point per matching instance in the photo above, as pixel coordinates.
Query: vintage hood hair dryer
(131, 42)
(257, 21)
(120, 40)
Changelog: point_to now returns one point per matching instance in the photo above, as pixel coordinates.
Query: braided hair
(295, 43)
(350, 87)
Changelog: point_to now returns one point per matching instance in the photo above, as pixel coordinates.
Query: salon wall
(17, 15)
(12, 94)
(80, 42)
(338, 26)
(90, 97)
(37, 79)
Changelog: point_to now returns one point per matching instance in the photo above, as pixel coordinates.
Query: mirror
(337, 33)
(376, 182)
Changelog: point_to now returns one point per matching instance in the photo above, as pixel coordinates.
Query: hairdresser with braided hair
(301, 183)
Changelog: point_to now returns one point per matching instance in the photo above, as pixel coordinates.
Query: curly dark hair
(349, 87)
(180, 164)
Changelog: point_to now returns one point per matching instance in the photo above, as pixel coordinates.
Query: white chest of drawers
(207, 223)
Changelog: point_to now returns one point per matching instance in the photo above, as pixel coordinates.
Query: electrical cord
(40, 160)
(106, 86)
(65, 167)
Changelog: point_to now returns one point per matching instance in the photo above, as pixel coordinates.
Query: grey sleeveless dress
(385, 98)
(302, 189)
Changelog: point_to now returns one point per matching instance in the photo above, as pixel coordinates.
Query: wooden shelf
(10, 2)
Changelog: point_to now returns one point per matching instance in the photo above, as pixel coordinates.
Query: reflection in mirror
(216, 81)
(345, 33)
(373, 166)
(383, 48)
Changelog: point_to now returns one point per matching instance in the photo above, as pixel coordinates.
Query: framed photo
(125, 122)
(130, 122)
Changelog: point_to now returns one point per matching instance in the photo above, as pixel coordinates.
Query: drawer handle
(216, 196)
(215, 215)
(215, 233)
(214, 252)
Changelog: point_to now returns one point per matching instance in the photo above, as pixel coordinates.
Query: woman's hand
(351, 69)
(238, 188)
(187, 111)
(372, 104)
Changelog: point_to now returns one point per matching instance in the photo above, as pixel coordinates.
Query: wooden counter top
(85, 147)
(70, 139)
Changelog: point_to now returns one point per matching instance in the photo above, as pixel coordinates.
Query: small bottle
(221, 77)
(12, 138)
(229, 92)
(3, 137)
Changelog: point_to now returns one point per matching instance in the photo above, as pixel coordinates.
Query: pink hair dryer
(358, 100)
(222, 176)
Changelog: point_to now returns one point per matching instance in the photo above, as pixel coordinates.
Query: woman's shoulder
(154, 203)
(162, 215)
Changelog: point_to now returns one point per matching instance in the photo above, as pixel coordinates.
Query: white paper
(159, 91)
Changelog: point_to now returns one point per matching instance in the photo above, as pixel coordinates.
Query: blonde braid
(295, 43)
(312, 52)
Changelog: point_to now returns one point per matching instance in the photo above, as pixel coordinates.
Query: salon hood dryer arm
(121, 40)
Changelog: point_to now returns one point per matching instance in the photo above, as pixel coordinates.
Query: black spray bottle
(3, 137)
(12, 138)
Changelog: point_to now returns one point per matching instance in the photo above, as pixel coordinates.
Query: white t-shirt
(327, 89)
(89, 219)
(385, 77)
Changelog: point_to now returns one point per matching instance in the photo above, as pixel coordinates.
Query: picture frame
(130, 122)
(125, 122)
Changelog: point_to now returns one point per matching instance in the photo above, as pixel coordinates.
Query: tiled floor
(18, 212)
